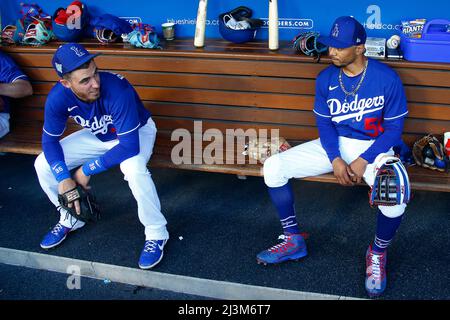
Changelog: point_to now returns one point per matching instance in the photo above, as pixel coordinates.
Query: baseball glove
(89, 209)
(306, 43)
(260, 150)
(13, 34)
(143, 36)
(428, 152)
(108, 28)
(391, 185)
(37, 33)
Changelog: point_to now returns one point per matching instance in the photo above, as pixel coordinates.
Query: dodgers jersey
(380, 98)
(116, 112)
(9, 72)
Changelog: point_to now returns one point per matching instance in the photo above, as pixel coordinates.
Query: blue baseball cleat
(152, 253)
(55, 236)
(292, 248)
(375, 272)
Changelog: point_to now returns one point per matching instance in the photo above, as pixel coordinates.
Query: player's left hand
(82, 179)
(357, 169)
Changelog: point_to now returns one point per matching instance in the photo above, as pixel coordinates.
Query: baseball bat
(273, 25)
(199, 39)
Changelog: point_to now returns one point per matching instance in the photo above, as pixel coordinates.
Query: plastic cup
(168, 30)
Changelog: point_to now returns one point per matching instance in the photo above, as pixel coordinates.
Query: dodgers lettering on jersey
(9, 72)
(380, 98)
(118, 111)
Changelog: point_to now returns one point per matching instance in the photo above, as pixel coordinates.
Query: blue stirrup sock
(283, 199)
(386, 229)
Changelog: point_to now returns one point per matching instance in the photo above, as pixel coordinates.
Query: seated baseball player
(13, 84)
(360, 107)
(116, 130)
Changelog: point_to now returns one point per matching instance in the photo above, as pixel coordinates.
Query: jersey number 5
(373, 126)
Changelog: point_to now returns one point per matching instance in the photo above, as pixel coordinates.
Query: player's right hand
(341, 172)
(66, 185)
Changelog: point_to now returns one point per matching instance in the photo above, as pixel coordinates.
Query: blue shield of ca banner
(381, 18)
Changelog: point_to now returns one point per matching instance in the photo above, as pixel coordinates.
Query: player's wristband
(93, 167)
(60, 171)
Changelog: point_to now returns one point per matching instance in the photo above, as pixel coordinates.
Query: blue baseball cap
(69, 57)
(345, 32)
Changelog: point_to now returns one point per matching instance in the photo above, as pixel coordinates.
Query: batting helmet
(237, 26)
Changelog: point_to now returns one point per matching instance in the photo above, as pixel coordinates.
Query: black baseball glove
(307, 43)
(89, 209)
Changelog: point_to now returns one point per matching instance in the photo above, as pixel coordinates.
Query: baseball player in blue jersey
(117, 130)
(13, 84)
(360, 108)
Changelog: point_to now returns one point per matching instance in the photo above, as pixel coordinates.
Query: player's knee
(40, 164)
(272, 172)
(4, 125)
(134, 165)
(393, 211)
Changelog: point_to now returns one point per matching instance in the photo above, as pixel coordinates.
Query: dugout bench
(227, 86)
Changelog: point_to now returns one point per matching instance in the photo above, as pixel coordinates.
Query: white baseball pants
(82, 146)
(4, 123)
(310, 159)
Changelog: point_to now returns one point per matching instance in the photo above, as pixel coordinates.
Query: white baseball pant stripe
(310, 159)
(82, 146)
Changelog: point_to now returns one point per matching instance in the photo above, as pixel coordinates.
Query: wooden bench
(228, 86)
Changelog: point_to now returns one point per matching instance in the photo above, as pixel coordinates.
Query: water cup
(168, 30)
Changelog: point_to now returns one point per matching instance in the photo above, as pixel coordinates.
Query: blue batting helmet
(237, 26)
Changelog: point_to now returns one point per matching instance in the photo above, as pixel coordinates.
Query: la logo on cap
(77, 51)
(335, 31)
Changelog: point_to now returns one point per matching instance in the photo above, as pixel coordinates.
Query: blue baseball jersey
(9, 72)
(118, 111)
(380, 98)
